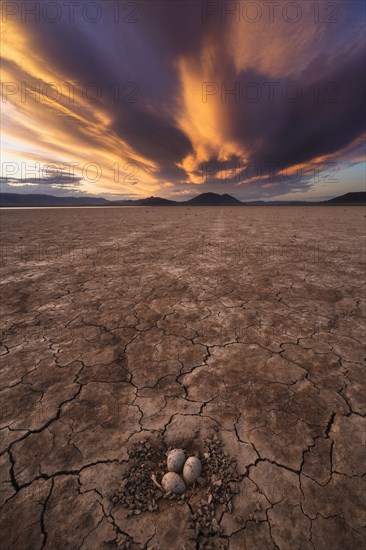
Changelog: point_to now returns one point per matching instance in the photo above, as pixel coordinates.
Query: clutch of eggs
(176, 462)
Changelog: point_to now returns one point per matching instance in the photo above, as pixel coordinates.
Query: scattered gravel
(218, 482)
(137, 491)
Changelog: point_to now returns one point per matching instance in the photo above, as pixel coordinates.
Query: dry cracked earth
(170, 325)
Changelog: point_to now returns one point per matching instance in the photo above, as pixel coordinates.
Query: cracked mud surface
(173, 324)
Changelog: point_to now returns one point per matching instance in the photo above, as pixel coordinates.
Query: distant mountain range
(204, 199)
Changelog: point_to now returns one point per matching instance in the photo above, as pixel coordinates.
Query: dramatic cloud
(174, 97)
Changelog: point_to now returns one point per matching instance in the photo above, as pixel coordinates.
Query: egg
(175, 460)
(173, 483)
(192, 469)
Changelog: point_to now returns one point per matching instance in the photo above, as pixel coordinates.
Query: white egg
(192, 469)
(173, 483)
(175, 460)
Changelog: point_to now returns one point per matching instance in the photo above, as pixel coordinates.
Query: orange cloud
(63, 128)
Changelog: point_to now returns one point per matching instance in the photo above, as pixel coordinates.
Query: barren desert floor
(174, 326)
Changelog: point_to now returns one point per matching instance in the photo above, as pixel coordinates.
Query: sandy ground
(173, 324)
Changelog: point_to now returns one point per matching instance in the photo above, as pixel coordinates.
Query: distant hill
(213, 199)
(349, 198)
(204, 199)
(150, 201)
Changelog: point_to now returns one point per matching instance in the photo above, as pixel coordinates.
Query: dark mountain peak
(213, 199)
(358, 197)
(154, 201)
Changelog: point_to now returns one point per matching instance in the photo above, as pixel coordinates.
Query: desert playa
(234, 333)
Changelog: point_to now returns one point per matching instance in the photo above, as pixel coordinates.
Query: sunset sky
(260, 100)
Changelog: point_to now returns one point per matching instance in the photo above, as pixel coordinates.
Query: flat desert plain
(174, 326)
